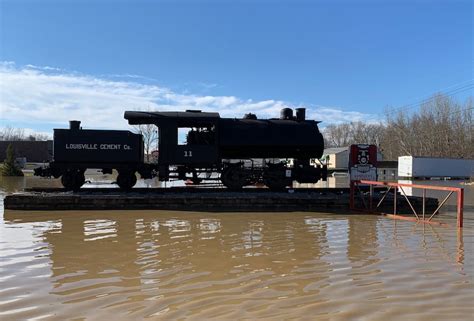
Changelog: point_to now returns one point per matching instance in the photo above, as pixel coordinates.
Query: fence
(355, 187)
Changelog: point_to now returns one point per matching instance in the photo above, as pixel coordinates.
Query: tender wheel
(276, 179)
(234, 178)
(126, 180)
(72, 180)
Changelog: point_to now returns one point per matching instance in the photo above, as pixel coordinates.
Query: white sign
(369, 174)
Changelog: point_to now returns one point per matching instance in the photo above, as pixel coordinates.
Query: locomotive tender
(242, 151)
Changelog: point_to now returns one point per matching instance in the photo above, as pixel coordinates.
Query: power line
(445, 89)
(449, 93)
(459, 88)
(461, 110)
(416, 100)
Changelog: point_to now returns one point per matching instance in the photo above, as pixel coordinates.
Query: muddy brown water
(162, 265)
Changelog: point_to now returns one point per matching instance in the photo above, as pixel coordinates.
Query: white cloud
(47, 68)
(33, 132)
(43, 95)
(338, 116)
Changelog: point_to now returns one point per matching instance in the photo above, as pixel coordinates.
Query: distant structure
(337, 158)
(387, 170)
(33, 151)
(434, 167)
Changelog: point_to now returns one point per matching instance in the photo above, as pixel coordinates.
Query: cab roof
(160, 117)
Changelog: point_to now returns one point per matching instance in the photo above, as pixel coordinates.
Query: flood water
(124, 265)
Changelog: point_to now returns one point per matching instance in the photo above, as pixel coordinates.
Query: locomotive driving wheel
(275, 178)
(73, 179)
(126, 180)
(234, 177)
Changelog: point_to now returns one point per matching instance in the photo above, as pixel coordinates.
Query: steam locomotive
(195, 145)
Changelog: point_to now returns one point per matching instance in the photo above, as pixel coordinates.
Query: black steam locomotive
(195, 145)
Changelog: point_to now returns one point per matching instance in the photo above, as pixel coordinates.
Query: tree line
(442, 127)
(18, 134)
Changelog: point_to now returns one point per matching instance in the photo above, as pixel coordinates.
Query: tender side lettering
(110, 146)
(98, 146)
(81, 146)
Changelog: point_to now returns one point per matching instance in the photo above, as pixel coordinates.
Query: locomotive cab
(187, 140)
(196, 145)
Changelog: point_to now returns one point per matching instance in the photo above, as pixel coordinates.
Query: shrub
(9, 168)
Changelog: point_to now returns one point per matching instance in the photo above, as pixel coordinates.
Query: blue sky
(344, 59)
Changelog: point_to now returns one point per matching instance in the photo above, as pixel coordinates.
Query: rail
(422, 217)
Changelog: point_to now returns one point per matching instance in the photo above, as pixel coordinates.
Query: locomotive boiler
(195, 145)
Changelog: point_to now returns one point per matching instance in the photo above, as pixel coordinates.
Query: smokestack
(300, 114)
(74, 124)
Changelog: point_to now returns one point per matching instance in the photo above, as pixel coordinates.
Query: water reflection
(12, 184)
(363, 240)
(178, 265)
(200, 265)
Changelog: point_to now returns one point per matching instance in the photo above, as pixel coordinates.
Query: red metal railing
(418, 216)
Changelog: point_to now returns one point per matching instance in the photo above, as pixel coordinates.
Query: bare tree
(150, 137)
(18, 134)
(441, 128)
(10, 133)
(352, 133)
(362, 133)
(37, 137)
(337, 135)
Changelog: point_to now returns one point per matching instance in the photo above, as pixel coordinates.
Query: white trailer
(428, 167)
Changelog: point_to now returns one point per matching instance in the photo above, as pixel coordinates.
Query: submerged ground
(177, 265)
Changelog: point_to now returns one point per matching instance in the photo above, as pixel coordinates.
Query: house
(387, 170)
(336, 157)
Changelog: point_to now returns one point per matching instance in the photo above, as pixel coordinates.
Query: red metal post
(424, 203)
(371, 189)
(395, 191)
(460, 205)
(460, 256)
